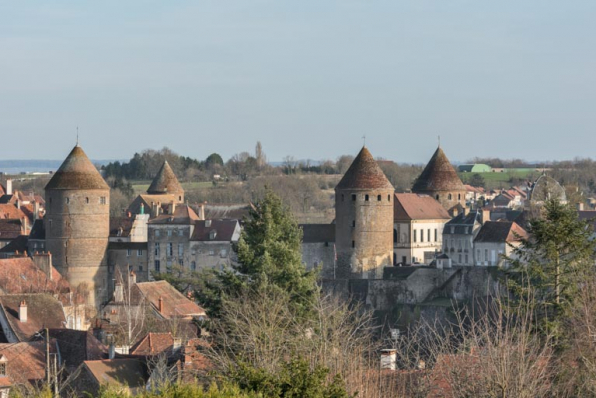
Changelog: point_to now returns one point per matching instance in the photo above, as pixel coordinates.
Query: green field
(501, 180)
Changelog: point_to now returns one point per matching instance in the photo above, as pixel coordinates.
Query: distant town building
(496, 240)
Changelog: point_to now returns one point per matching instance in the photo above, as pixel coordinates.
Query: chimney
(388, 358)
(128, 214)
(24, 226)
(160, 304)
(35, 210)
(201, 211)
(207, 223)
(172, 207)
(142, 210)
(9, 187)
(485, 215)
(118, 293)
(112, 350)
(23, 312)
(177, 344)
(133, 278)
(44, 263)
(580, 206)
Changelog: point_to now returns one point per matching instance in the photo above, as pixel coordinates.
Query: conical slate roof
(77, 172)
(165, 181)
(364, 173)
(438, 175)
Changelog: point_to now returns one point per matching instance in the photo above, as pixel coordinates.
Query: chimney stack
(23, 312)
(118, 292)
(580, 206)
(133, 278)
(9, 187)
(160, 305)
(35, 210)
(485, 215)
(388, 358)
(44, 263)
(201, 211)
(172, 207)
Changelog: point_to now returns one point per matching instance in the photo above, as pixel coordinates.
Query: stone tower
(77, 224)
(440, 180)
(363, 220)
(165, 182)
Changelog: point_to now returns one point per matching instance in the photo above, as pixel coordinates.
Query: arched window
(394, 235)
(388, 198)
(449, 197)
(366, 198)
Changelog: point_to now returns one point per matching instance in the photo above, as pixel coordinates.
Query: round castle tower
(363, 220)
(77, 224)
(165, 182)
(440, 180)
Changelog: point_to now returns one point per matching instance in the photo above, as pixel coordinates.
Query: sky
(309, 79)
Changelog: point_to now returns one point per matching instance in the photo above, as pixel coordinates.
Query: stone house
(495, 240)
(210, 244)
(458, 237)
(418, 228)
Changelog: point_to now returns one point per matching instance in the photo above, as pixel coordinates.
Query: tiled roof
(412, 206)
(77, 172)
(438, 175)
(126, 372)
(26, 361)
(165, 182)
(21, 275)
(43, 311)
(195, 360)
(462, 223)
(147, 200)
(175, 304)
(154, 344)
(10, 229)
(500, 232)
(364, 173)
(77, 346)
(223, 230)
(318, 233)
(11, 212)
(183, 214)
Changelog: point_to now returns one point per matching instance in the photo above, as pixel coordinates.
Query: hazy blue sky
(306, 78)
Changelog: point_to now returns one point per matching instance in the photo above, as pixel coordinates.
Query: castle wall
(319, 254)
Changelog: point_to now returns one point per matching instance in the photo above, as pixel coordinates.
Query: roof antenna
(77, 135)
(364, 140)
(439, 141)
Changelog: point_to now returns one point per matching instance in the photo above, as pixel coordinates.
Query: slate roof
(364, 173)
(43, 311)
(131, 373)
(77, 172)
(438, 175)
(227, 211)
(224, 230)
(318, 233)
(18, 244)
(461, 222)
(165, 182)
(175, 304)
(412, 206)
(500, 232)
(127, 245)
(77, 346)
(153, 344)
(121, 223)
(38, 230)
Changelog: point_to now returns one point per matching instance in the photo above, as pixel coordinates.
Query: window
(156, 233)
(181, 262)
(421, 235)
(180, 249)
(67, 200)
(342, 197)
(485, 254)
(87, 200)
(379, 198)
(436, 235)
(128, 251)
(3, 368)
(449, 197)
(139, 252)
(353, 243)
(169, 232)
(466, 258)
(169, 266)
(180, 232)
(428, 235)
(366, 198)
(212, 252)
(102, 200)
(415, 236)
(394, 235)
(170, 251)
(193, 266)
(157, 266)
(353, 197)
(140, 268)
(223, 253)
(437, 197)
(157, 249)
(459, 196)
(388, 198)
(353, 223)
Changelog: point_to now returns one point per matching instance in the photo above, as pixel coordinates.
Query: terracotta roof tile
(21, 275)
(10, 229)
(154, 344)
(438, 175)
(26, 361)
(124, 372)
(43, 311)
(175, 304)
(8, 211)
(412, 206)
(77, 172)
(165, 182)
(364, 173)
(183, 214)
